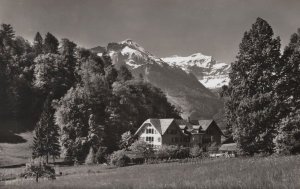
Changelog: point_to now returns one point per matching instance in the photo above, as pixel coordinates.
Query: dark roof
(203, 123)
(228, 147)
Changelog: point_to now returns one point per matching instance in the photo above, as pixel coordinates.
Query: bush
(38, 169)
(195, 151)
(119, 158)
(142, 147)
(162, 153)
(183, 152)
(172, 150)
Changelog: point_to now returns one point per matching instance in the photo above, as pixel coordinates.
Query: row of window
(151, 139)
(153, 131)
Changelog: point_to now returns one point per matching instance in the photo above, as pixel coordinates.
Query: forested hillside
(63, 91)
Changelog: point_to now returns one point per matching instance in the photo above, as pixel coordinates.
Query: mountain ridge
(209, 72)
(181, 88)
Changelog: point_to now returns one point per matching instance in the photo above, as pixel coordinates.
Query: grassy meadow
(260, 172)
(16, 153)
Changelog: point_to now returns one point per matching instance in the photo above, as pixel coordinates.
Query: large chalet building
(158, 132)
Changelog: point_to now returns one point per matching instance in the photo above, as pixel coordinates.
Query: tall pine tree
(7, 35)
(288, 94)
(51, 44)
(250, 109)
(46, 140)
(38, 43)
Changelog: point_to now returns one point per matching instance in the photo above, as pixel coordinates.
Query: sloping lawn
(270, 172)
(16, 153)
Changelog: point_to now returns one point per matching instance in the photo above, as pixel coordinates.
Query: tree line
(75, 99)
(263, 96)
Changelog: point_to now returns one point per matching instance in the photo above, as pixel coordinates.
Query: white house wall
(157, 140)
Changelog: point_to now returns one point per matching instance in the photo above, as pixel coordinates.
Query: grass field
(269, 172)
(16, 153)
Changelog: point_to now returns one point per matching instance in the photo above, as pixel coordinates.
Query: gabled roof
(182, 124)
(201, 126)
(204, 123)
(162, 125)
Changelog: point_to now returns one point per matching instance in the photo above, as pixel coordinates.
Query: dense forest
(72, 98)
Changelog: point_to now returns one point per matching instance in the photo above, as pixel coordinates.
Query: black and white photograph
(150, 94)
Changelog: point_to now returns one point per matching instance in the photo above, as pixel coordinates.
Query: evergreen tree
(38, 43)
(250, 109)
(69, 61)
(50, 44)
(7, 35)
(46, 140)
(288, 94)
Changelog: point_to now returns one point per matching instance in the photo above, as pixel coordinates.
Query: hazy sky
(163, 27)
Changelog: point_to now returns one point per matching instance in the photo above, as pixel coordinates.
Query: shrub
(172, 150)
(142, 147)
(38, 169)
(183, 152)
(195, 151)
(162, 153)
(119, 158)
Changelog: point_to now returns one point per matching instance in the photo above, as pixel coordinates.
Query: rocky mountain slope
(182, 89)
(209, 72)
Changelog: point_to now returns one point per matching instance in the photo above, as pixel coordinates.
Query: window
(176, 139)
(150, 139)
(149, 131)
(158, 139)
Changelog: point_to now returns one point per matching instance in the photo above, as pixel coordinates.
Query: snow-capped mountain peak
(210, 73)
(197, 59)
(132, 44)
(132, 53)
(183, 90)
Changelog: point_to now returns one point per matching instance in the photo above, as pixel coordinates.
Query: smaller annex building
(158, 132)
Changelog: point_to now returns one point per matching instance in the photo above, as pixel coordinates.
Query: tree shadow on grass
(10, 137)
(10, 128)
